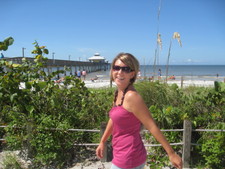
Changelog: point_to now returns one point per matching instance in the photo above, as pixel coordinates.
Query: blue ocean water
(188, 72)
(184, 70)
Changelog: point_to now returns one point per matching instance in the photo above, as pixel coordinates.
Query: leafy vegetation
(6, 43)
(39, 112)
(205, 107)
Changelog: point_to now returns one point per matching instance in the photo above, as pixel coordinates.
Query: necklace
(122, 99)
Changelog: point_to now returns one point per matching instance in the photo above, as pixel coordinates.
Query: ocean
(184, 70)
(192, 72)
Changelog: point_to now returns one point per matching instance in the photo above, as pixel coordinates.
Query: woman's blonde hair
(129, 60)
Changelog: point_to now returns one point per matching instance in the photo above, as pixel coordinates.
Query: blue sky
(80, 28)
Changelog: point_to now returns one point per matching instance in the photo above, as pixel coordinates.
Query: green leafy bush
(212, 148)
(170, 105)
(39, 114)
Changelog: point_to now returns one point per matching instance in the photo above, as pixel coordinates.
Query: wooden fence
(186, 142)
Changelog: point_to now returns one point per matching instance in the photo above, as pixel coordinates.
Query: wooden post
(29, 127)
(182, 82)
(110, 83)
(187, 143)
(107, 154)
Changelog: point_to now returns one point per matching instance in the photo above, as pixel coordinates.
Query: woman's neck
(123, 88)
(120, 93)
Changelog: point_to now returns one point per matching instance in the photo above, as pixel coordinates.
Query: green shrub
(39, 116)
(212, 148)
(33, 113)
(170, 105)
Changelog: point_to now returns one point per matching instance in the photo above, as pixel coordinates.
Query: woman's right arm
(107, 133)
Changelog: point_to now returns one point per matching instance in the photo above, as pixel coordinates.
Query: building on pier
(97, 58)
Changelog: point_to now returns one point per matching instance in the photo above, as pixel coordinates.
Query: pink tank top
(128, 148)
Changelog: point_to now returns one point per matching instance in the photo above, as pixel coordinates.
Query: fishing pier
(74, 66)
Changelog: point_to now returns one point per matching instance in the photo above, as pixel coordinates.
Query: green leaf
(34, 52)
(28, 85)
(13, 96)
(222, 85)
(29, 108)
(39, 51)
(9, 41)
(3, 47)
(46, 51)
(42, 85)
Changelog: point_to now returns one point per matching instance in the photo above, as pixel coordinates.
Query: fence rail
(186, 142)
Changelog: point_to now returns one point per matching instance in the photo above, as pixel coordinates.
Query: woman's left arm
(136, 105)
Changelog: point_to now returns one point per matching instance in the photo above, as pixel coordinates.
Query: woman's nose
(120, 71)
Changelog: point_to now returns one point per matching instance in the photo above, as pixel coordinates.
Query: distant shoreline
(106, 76)
(205, 81)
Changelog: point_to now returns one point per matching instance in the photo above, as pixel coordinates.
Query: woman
(126, 116)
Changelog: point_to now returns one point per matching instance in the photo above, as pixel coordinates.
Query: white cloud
(190, 60)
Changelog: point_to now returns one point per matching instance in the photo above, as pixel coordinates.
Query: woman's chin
(121, 83)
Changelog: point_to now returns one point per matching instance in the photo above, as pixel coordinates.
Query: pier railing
(185, 142)
(58, 64)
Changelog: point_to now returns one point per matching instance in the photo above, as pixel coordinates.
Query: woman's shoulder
(132, 95)
(133, 101)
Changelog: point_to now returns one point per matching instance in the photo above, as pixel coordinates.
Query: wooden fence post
(182, 82)
(110, 83)
(107, 154)
(187, 143)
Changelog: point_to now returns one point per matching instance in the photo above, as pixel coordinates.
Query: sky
(77, 29)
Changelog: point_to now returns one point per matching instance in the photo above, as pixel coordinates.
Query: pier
(74, 66)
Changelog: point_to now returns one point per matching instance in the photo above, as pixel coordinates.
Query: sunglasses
(124, 69)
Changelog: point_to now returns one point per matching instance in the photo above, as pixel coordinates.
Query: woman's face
(121, 74)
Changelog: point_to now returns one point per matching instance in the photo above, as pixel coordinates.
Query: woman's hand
(176, 160)
(100, 150)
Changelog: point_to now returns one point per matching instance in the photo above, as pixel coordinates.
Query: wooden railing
(186, 142)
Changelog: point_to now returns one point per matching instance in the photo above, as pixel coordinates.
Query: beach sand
(87, 164)
(186, 83)
(201, 81)
(101, 165)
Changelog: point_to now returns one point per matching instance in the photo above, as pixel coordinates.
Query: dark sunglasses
(124, 69)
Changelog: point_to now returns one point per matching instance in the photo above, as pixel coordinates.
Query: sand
(101, 165)
(105, 82)
(201, 81)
